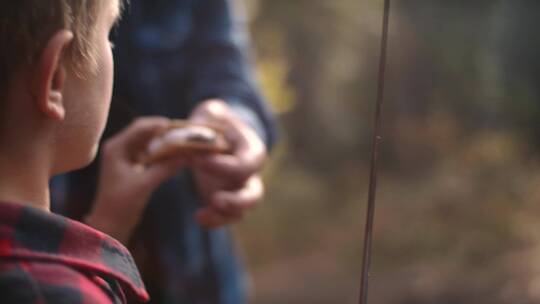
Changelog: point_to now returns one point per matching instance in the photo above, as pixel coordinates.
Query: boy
(55, 89)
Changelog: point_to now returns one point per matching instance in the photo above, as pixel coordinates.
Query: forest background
(458, 213)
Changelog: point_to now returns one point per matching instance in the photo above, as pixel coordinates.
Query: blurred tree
(519, 44)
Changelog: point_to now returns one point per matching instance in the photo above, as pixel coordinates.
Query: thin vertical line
(377, 138)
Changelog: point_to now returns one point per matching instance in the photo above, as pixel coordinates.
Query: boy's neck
(24, 181)
(25, 168)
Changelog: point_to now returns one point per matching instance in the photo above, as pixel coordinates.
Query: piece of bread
(185, 137)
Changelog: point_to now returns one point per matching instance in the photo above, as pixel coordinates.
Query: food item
(185, 137)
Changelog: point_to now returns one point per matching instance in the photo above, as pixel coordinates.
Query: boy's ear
(50, 74)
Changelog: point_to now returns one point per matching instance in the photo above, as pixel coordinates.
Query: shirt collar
(33, 234)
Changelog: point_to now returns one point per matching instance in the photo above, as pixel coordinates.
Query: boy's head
(56, 72)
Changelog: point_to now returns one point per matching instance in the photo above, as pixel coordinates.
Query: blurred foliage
(274, 81)
(458, 213)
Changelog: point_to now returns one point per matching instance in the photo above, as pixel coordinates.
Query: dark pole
(377, 138)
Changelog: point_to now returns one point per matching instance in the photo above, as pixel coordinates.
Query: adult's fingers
(159, 172)
(248, 151)
(211, 218)
(230, 207)
(232, 167)
(234, 202)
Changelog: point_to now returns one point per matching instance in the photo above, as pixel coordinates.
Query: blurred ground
(462, 233)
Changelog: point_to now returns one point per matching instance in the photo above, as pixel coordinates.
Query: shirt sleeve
(221, 65)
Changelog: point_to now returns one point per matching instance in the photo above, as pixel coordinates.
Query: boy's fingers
(144, 126)
(141, 130)
(133, 138)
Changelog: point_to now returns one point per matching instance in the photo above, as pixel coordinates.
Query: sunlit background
(458, 209)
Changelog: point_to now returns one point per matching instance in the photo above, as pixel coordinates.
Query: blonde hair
(27, 25)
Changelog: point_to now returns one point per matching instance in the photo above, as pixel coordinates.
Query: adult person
(186, 59)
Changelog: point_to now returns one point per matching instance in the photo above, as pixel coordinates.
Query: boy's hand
(125, 186)
(230, 184)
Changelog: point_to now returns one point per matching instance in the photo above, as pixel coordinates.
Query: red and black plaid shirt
(46, 258)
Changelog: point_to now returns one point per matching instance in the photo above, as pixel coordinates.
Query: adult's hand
(125, 185)
(229, 184)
